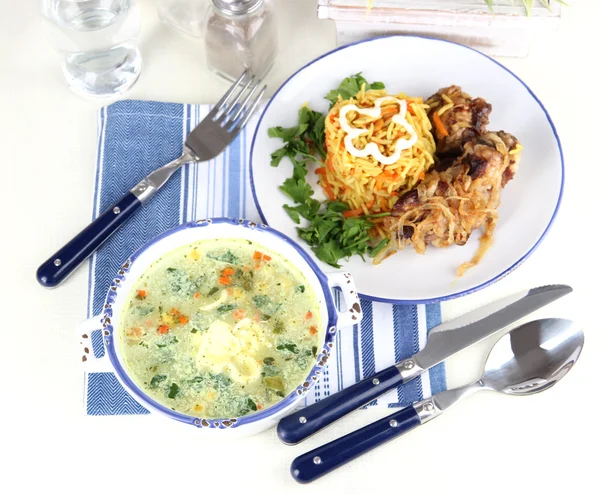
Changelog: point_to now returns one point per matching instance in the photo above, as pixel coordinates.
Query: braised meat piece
(462, 118)
(514, 151)
(447, 206)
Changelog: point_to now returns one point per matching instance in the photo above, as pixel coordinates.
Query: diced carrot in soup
(134, 333)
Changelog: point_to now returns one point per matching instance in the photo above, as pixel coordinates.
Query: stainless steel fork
(210, 137)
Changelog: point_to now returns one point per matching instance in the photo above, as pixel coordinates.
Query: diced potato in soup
(220, 328)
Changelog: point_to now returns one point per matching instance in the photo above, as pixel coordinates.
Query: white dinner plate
(419, 67)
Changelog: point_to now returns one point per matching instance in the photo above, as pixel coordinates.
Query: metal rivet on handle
(317, 460)
(393, 423)
(302, 420)
(409, 364)
(57, 262)
(375, 381)
(428, 407)
(116, 210)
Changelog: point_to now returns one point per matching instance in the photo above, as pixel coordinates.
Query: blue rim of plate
(298, 393)
(486, 283)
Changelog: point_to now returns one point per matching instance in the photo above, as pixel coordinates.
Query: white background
(487, 444)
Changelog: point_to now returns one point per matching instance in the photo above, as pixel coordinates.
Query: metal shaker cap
(237, 7)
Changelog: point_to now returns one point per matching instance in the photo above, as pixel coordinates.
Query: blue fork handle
(305, 422)
(66, 260)
(324, 459)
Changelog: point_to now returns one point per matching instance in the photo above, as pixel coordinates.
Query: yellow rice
(364, 183)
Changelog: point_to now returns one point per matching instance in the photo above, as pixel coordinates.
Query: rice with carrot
(364, 183)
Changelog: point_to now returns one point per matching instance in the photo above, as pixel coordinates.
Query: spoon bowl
(533, 357)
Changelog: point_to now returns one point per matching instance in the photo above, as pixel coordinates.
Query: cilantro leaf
(298, 190)
(337, 206)
(312, 208)
(173, 391)
(287, 347)
(317, 135)
(223, 309)
(251, 405)
(267, 305)
(304, 120)
(293, 212)
(300, 171)
(227, 257)
(330, 252)
(261, 300)
(156, 380)
(167, 340)
(277, 156)
(300, 141)
(307, 210)
(287, 134)
(350, 86)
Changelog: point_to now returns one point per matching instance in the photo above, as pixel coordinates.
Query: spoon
(527, 360)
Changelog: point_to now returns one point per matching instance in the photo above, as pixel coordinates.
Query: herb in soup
(220, 328)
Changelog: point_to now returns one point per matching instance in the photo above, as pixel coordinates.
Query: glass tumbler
(97, 40)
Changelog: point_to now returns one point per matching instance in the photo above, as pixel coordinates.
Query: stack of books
(508, 31)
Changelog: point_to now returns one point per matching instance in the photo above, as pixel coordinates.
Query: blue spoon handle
(324, 459)
(66, 260)
(305, 422)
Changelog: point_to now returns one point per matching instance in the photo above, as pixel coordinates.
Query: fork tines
(236, 107)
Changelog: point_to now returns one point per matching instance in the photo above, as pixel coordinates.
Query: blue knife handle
(305, 422)
(324, 459)
(63, 263)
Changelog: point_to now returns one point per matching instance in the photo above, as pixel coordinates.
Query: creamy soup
(220, 328)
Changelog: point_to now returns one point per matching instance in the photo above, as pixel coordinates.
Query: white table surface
(488, 444)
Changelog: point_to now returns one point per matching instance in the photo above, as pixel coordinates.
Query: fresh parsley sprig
(303, 140)
(332, 236)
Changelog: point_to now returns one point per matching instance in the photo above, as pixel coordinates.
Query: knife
(443, 341)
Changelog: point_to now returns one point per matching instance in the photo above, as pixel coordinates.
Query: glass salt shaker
(240, 35)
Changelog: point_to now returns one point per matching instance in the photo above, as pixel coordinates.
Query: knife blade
(444, 340)
(461, 333)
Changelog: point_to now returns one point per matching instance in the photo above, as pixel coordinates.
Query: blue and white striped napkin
(134, 138)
